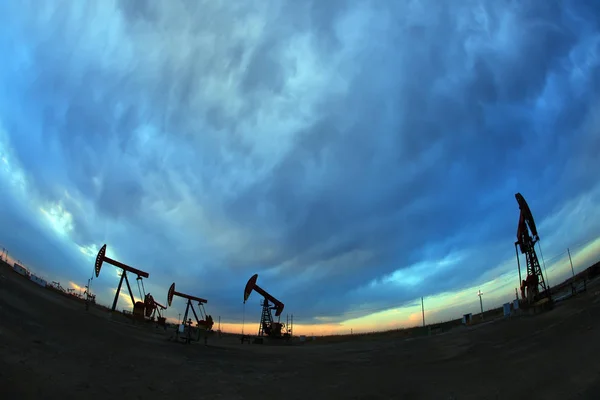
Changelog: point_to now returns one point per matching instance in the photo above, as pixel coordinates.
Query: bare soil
(51, 347)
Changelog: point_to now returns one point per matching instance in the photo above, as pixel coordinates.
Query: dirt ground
(50, 347)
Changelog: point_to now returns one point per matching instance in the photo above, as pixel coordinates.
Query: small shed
(506, 309)
(38, 280)
(20, 269)
(467, 319)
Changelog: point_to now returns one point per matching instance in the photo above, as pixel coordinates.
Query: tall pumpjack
(101, 258)
(267, 325)
(533, 287)
(206, 323)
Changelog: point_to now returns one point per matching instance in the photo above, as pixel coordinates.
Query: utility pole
(571, 261)
(479, 293)
(572, 271)
(219, 324)
(423, 310)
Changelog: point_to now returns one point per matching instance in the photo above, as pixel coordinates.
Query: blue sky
(355, 154)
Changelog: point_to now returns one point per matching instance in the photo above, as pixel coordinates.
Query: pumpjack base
(538, 307)
(191, 337)
(266, 340)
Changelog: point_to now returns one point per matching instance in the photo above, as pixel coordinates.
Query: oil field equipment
(204, 324)
(139, 306)
(533, 287)
(267, 327)
(154, 310)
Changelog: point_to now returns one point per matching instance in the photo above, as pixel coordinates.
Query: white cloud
(60, 220)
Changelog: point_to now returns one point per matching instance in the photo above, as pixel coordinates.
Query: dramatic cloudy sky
(357, 155)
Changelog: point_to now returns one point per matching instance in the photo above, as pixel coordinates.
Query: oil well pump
(206, 323)
(154, 310)
(139, 306)
(533, 287)
(267, 324)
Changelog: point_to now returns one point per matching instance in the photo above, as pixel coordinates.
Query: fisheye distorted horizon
(357, 155)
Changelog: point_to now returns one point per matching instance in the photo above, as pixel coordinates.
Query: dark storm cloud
(324, 145)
